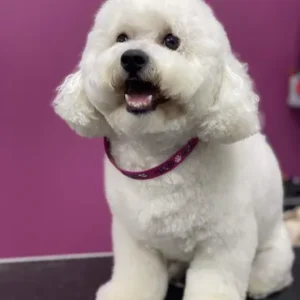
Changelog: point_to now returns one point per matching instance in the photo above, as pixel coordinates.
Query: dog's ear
(73, 106)
(234, 114)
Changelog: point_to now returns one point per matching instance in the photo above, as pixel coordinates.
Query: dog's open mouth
(141, 96)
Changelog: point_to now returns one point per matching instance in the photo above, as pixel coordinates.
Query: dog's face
(150, 65)
(160, 66)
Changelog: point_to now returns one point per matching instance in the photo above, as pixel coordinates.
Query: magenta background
(51, 190)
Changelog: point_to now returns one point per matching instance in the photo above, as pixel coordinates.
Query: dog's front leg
(221, 268)
(139, 272)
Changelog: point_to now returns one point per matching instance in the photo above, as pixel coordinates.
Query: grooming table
(78, 279)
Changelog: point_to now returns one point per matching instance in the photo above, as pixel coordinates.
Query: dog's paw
(260, 290)
(106, 292)
(215, 297)
(126, 291)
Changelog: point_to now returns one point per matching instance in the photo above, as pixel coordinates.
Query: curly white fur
(220, 213)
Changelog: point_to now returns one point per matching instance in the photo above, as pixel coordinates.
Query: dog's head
(161, 66)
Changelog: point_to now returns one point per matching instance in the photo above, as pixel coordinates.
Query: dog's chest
(169, 212)
(166, 214)
(174, 234)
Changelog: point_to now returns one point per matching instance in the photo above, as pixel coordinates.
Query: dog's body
(219, 197)
(200, 200)
(219, 213)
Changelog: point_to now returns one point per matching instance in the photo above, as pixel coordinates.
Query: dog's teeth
(135, 104)
(139, 101)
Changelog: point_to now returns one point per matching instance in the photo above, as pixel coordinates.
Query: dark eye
(171, 41)
(122, 38)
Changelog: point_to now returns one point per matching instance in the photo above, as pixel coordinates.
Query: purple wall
(51, 195)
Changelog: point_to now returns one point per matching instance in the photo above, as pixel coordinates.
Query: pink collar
(167, 166)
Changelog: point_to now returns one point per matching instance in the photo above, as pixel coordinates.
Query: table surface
(79, 279)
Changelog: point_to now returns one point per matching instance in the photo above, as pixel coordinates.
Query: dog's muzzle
(141, 96)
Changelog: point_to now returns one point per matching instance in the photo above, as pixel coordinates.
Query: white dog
(158, 77)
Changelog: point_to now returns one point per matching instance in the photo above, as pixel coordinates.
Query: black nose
(133, 61)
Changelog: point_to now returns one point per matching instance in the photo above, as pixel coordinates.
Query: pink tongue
(144, 99)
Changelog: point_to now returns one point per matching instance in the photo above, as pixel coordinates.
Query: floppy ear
(234, 114)
(74, 107)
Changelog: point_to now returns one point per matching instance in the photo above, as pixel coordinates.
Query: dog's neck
(140, 153)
